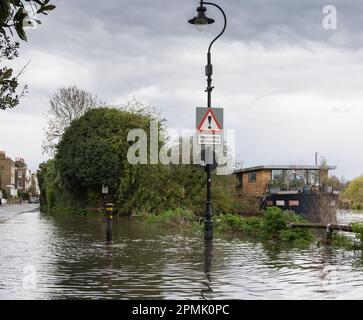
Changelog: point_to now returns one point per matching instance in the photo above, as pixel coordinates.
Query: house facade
(303, 189)
(23, 177)
(262, 180)
(7, 173)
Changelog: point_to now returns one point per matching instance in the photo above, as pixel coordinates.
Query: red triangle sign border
(210, 111)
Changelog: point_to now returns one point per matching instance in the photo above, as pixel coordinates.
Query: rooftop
(285, 167)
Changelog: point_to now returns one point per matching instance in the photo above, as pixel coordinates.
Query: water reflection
(208, 258)
(149, 261)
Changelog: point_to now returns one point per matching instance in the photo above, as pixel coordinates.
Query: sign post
(209, 124)
(210, 119)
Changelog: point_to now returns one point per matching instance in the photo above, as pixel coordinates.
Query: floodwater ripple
(72, 261)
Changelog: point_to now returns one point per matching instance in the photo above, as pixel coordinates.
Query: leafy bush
(250, 226)
(273, 221)
(5, 194)
(177, 217)
(23, 195)
(93, 151)
(272, 225)
(358, 230)
(275, 226)
(353, 194)
(343, 241)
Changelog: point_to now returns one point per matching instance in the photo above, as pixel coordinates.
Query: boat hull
(316, 208)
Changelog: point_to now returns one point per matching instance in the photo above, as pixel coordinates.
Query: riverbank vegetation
(352, 196)
(270, 225)
(93, 152)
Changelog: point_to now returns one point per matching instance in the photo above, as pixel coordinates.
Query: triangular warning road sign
(209, 122)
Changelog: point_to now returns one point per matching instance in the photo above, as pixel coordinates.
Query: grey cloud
(265, 21)
(274, 63)
(137, 39)
(248, 20)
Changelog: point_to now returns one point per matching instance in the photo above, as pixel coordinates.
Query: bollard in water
(109, 217)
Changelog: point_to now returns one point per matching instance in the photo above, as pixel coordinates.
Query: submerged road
(65, 257)
(17, 208)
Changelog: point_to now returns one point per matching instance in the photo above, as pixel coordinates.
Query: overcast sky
(289, 87)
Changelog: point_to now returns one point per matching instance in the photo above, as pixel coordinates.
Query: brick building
(7, 173)
(23, 177)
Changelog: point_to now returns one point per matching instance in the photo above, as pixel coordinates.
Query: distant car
(33, 200)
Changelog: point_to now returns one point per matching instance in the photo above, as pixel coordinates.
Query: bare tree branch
(66, 105)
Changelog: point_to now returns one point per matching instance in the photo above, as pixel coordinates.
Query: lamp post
(201, 20)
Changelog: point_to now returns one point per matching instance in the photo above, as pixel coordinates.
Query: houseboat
(303, 189)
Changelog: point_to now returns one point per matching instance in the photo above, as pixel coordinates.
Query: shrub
(343, 241)
(245, 226)
(275, 226)
(5, 194)
(273, 221)
(23, 195)
(354, 193)
(246, 205)
(358, 230)
(177, 217)
(272, 225)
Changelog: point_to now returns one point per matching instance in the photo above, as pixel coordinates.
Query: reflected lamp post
(201, 20)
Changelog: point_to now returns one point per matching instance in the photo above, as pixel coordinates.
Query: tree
(66, 105)
(14, 17)
(335, 183)
(9, 95)
(93, 151)
(354, 193)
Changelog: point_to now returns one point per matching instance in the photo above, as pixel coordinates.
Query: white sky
(289, 87)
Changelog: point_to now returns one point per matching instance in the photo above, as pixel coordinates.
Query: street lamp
(201, 19)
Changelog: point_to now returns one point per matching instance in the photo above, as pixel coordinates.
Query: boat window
(280, 203)
(296, 178)
(277, 174)
(301, 177)
(313, 177)
(294, 203)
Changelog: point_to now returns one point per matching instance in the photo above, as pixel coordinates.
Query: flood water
(45, 257)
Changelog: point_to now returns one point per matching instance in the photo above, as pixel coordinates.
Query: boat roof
(285, 167)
